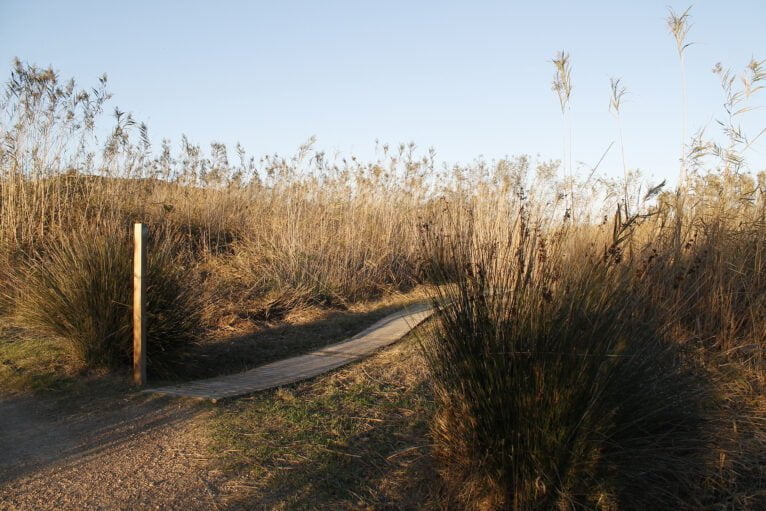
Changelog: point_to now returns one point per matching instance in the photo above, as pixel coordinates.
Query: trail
(290, 370)
(143, 455)
(148, 451)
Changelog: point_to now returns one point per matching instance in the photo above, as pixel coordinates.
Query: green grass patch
(36, 365)
(44, 367)
(354, 439)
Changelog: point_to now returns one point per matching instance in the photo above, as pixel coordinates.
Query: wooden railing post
(139, 304)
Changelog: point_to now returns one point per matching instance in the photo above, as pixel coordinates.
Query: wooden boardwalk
(290, 370)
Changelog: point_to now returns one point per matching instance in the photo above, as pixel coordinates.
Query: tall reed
(556, 381)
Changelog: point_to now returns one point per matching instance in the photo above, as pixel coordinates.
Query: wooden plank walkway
(290, 370)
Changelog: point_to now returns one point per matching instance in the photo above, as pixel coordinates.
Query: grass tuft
(556, 384)
(78, 289)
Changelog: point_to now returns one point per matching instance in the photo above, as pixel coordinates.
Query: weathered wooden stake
(139, 304)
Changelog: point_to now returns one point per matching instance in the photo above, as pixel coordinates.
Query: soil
(145, 453)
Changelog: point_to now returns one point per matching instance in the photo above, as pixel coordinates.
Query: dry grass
(562, 380)
(76, 289)
(543, 269)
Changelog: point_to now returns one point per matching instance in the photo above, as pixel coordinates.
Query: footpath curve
(290, 370)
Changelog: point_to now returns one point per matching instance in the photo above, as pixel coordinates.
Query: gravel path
(147, 455)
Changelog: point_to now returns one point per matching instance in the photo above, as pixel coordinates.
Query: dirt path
(148, 454)
(145, 451)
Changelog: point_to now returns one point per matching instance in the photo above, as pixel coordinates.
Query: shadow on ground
(37, 433)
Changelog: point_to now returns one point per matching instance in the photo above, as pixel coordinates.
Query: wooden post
(139, 304)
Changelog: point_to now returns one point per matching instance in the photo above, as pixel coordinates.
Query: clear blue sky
(468, 78)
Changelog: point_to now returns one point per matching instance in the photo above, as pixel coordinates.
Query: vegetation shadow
(658, 453)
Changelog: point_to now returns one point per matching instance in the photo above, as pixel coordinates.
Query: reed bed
(604, 346)
(571, 375)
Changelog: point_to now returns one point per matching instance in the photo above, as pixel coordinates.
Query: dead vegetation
(605, 348)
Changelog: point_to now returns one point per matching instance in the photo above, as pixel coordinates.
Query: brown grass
(679, 273)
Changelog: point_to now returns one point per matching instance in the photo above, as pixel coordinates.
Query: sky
(467, 78)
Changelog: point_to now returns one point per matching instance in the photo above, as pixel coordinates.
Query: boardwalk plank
(290, 370)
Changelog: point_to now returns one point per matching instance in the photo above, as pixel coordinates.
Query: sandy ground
(144, 453)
